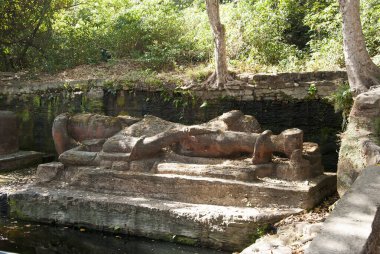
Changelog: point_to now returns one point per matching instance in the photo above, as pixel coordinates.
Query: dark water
(28, 238)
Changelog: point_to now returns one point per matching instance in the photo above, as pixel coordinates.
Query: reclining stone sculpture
(94, 140)
(214, 183)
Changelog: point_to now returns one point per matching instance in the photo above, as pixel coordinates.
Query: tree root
(211, 83)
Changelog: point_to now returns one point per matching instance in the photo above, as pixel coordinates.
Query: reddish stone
(8, 132)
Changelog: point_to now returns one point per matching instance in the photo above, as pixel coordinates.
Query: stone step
(217, 171)
(203, 190)
(19, 160)
(222, 227)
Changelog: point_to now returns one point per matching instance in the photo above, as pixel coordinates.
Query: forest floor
(118, 69)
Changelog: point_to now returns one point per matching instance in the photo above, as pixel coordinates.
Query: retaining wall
(248, 86)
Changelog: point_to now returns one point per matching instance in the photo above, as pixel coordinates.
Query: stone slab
(9, 141)
(354, 225)
(19, 160)
(219, 171)
(228, 228)
(200, 189)
(48, 171)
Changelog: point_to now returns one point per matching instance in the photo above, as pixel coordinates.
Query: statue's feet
(263, 148)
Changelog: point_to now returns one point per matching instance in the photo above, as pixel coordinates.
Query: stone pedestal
(8, 132)
(188, 204)
(10, 156)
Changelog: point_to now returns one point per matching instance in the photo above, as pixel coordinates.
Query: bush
(25, 29)
(342, 101)
(151, 31)
(286, 35)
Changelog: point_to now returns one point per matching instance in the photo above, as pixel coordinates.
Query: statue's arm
(149, 146)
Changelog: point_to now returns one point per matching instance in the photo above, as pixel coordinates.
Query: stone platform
(201, 190)
(213, 212)
(217, 184)
(223, 227)
(19, 160)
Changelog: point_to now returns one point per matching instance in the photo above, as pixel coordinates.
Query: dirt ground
(118, 69)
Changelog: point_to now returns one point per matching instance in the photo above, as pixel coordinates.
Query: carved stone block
(9, 130)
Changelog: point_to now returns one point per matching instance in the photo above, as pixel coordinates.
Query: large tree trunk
(221, 73)
(362, 72)
(359, 143)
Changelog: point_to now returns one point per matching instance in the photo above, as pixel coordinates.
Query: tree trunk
(362, 72)
(29, 40)
(221, 73)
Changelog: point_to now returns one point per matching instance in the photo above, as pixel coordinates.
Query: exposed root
(212, 83)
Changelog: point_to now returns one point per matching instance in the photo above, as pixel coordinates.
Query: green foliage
(260, 232)
(342, 101)
(112, 87)
(262, 35)
(342, 98)
(326, 44)
(312, 91)
(263, 25)
(153, 32)
(371, 25)
(25, 26)
(199, 74)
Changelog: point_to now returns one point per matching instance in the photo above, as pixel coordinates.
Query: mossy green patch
(377, 127)
(120, 101)
(184, 240)
(261, 230)
(15, 211)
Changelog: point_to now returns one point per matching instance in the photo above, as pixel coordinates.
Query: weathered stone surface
(262, 247)
(312, 153)
(359, 143)
(76, 156)
(235, 120)
(201, 190)
(208, 176)
(19, 160)
(296, 169)
(224, 171)
(9, 142)
(354, 225)
(48, 171)
(324, 81)
(228, 228)
(10, 156)
(286, 237)
(226, 136)
(69, 130)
